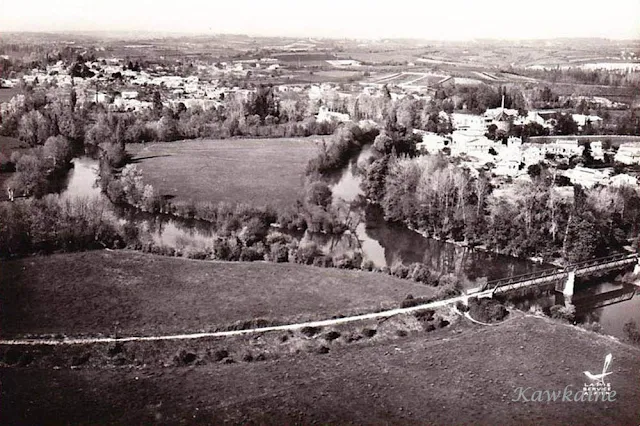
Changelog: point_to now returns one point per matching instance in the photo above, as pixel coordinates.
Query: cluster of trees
(628, 123)
(334, 154)
(582, 76)
(54, 130)
(41, 115)
(477, 99)
(433, 195)
(41, 169)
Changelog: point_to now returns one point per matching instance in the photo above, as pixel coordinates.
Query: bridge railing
(601, 261)
(550, 272)
(543, 273)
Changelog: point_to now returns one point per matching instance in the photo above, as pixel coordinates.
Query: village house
(596, 150)
(512, 151)
(122, 104)
(531, 155)
(473, 143)
(530, 118)
(481, 147)
(129, 94)
(431, 142)
(628, 153)
(563, 147)
(507, 168)
(588, 177)
(623, 179)
(500, 117)
(582, 120)
(468, 122)
(324, 115)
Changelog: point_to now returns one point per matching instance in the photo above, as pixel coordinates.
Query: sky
(428, 19)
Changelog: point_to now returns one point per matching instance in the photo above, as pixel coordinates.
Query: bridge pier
(569, 285)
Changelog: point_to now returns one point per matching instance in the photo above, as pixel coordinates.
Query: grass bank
(97, 293)
(457, 375)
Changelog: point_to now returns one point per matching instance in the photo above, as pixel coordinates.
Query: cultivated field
(92, 293)
(255, 171)
(464, 375)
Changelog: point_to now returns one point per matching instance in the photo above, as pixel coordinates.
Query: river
(386, 244)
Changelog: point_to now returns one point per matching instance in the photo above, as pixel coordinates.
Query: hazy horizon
(374, 19)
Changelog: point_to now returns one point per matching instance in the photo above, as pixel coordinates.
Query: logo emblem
(599, 378)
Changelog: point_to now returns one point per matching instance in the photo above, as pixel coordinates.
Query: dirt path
(285, 327)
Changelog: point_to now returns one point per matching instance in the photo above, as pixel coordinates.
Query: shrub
(369, 332)
(399, 270)
(219, 354)
(254, 231)
(227, 248)
(368, 265)
(56, 224)
(278, 253)
(631, 331)
(323, 261)
(425, 315)
(310, 331)
(487, 310)
(462, 307)
(563, 313)
(441, 323)
(184, 358)
(420, 273)
(332, 335)
(410, 301)
(197, 253)
(351, 260)
(278, 237)
(251, 254)
(305, 254)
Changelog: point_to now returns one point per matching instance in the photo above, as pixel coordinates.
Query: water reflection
(386, 244)
(82, 179)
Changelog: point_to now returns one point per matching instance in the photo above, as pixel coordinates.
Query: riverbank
(480, 247)
(461, 374)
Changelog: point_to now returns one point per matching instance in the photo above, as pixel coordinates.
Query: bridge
(564, 276)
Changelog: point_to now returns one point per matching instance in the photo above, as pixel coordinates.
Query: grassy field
(464, 375)
(91, 292)
(256, 171)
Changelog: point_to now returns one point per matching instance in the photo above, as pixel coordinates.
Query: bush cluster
(53, 223)
(487, 310)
